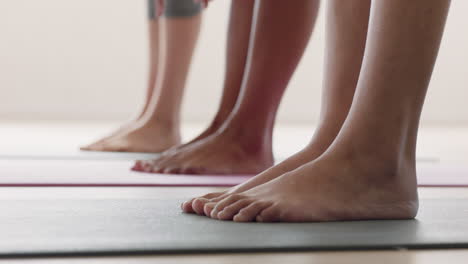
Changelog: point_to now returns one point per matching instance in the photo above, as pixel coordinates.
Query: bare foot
(197, 205)
(219, 153)
(122, 129)
(138, 136)
(148, 165)
(331, 188)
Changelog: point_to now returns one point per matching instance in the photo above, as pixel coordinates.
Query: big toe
(138, 165)
(187, 207)
(142, 166)
(171, 170)
(230, 211)
(199, 202)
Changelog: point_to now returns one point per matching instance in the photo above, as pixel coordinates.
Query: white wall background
(64, 59)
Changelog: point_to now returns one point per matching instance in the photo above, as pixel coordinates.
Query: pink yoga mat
(117, 173)
(98, 173)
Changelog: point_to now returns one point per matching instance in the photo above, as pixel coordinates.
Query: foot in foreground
(197, 205)
(331, 188)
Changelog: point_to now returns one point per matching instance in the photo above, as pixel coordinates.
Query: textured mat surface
(117, 173)
(131, 226)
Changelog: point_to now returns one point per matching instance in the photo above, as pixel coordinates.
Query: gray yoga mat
(53, 227)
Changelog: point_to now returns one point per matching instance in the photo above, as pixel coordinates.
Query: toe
(138, 166)
(230, 199)
(172, 170)
(250, 213)
(269, 214)
(211, 199)
(230, 211)
(198, 205)
(208, 208)
(187, 207)
(147, 166)
(155, 168)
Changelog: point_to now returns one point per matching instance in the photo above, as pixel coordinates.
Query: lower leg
(239, 29)
(274, 54)
(394, 81)
(153, 63)
(179, 37)
(369, 170)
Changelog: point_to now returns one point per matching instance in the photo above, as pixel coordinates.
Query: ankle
(252, 143)
(376, 163)
(163, 124)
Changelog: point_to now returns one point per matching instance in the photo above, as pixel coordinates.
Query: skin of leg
(369, 171)
(243, 144)
(153, 63)
(153, 38)
(239, 29)
(347, 23)
(158, 128)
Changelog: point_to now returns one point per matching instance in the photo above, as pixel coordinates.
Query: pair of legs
(262, 54)
(172, 39)
(360, 163)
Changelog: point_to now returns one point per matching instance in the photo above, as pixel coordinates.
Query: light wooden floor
(380, 257)
(447, 144)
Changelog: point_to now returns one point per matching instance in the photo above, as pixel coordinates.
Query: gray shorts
(175, 8)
